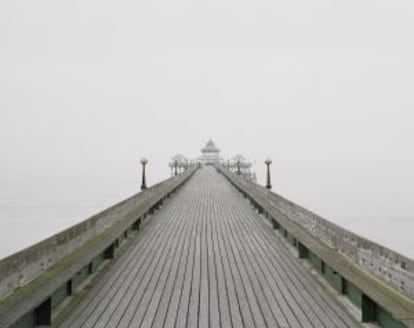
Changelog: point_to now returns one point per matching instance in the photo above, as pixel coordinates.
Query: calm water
(393, 232)
(30, 212)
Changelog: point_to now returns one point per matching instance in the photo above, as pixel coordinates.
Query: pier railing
(36, 280)
(376, 279)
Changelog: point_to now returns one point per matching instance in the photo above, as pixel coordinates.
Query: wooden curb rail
(378, 302)
(76, 252)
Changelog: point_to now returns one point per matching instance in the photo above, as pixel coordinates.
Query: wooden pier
(208, 259)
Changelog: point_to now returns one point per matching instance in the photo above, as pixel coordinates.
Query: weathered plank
(208, 260)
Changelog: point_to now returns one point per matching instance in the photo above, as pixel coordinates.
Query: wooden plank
(193, 309)
(169, 299)
(214, 306)
(393, 302)
(234, 301)
(126, 294)
(208, 260)
(304, 282)
(240, 239)
(144, 315)
(174, 303)
(317, 322)
(242, 295)
(119, 298)
(146, 281)
(184, 299)
(302, 309)
(239, 256)
(204, 302)
(113, 279)
(223, 286)
(318, 312)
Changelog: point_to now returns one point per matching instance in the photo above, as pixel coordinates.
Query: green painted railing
(35, 281)
(379, 281)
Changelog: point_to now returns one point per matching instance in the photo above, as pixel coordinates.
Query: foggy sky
(324, 88)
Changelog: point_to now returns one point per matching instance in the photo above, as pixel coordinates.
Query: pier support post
(137, 224)
(302, 251)
(110, 252)
(275, 224)
(43, 314)
(368, 309)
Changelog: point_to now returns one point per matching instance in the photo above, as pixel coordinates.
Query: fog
(324, 88)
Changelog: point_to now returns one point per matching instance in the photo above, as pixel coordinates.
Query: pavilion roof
(210, 147)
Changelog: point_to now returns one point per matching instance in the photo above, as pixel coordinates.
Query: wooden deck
(208, 259)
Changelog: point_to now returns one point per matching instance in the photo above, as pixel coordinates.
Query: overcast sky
(325, 88)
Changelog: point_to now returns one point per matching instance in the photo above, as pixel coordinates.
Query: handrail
(342, 248)
(64, 254)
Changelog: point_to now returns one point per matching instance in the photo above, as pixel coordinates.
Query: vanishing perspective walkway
(207, 259)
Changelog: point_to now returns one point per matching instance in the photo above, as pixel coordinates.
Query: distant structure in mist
(210, 155)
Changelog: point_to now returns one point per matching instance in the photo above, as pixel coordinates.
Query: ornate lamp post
(238, 168)
(228, 164)
(171, 168)
(144, 162)
(175, 167)
(268, 184)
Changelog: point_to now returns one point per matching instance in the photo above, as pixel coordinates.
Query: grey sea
(31, 211)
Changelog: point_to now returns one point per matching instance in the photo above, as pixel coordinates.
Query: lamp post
(268, 184)
(175, 167)
(172, 168)
(238, 168)
(228, 164)
(144, 162)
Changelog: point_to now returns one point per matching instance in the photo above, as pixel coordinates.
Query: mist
(323, 88)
